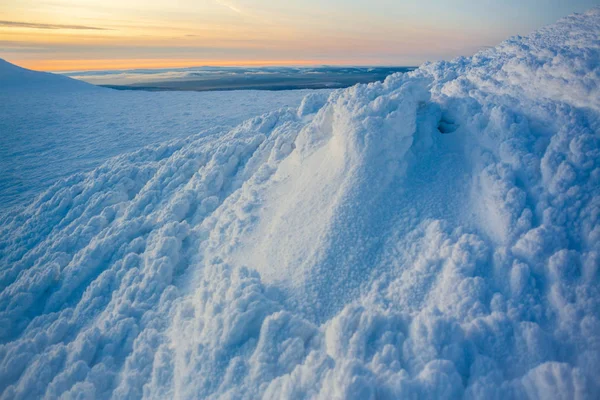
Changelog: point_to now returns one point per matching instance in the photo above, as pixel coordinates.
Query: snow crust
(52, 127)
(436, 235)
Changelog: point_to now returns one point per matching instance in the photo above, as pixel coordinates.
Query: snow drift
(436, 235)
(52, 127)
(21, 80)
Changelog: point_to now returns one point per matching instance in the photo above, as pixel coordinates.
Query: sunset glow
(101, 65)
(91, 34)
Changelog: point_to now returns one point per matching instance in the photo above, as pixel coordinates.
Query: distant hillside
(13, 77)
(238, 78)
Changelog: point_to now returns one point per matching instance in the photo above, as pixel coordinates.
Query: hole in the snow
(446, 125)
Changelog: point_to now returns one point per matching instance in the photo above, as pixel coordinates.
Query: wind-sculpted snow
(436, 235)
(51, 129)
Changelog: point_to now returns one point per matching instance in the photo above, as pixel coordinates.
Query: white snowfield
(433, 236)
(52, 127)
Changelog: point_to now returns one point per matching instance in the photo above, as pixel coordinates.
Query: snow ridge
(436, 235)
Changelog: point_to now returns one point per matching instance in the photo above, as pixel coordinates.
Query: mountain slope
(13, 78)
(432, 236)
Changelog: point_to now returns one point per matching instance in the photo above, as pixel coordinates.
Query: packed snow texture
(436, 235)
(52, 127)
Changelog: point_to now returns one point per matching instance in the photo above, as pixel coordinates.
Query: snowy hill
(52, 134)
(433, 236)
(14, 78)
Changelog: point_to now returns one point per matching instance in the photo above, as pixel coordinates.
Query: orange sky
(67, 35)
(99, 65)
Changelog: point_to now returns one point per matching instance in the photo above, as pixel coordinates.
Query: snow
(17, 80)
(432, 236)
(53, 127)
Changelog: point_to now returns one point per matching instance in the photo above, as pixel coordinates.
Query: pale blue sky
(99, 34)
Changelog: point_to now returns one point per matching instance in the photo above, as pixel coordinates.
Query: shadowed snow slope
(433, 236)
(52, 127)
(14, 78)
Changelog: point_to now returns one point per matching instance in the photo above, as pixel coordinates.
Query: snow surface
(14, 79)
(433, 236)
(53, 127)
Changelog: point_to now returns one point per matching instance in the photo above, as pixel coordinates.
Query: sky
(67, 35)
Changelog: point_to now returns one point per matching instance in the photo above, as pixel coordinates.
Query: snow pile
(433, 236)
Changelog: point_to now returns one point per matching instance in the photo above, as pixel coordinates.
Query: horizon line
(58, 66)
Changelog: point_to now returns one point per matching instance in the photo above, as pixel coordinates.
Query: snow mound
(17, 79)
(436, 235)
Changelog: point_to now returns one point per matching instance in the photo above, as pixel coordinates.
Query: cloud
(230, 6)
(17, 24)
